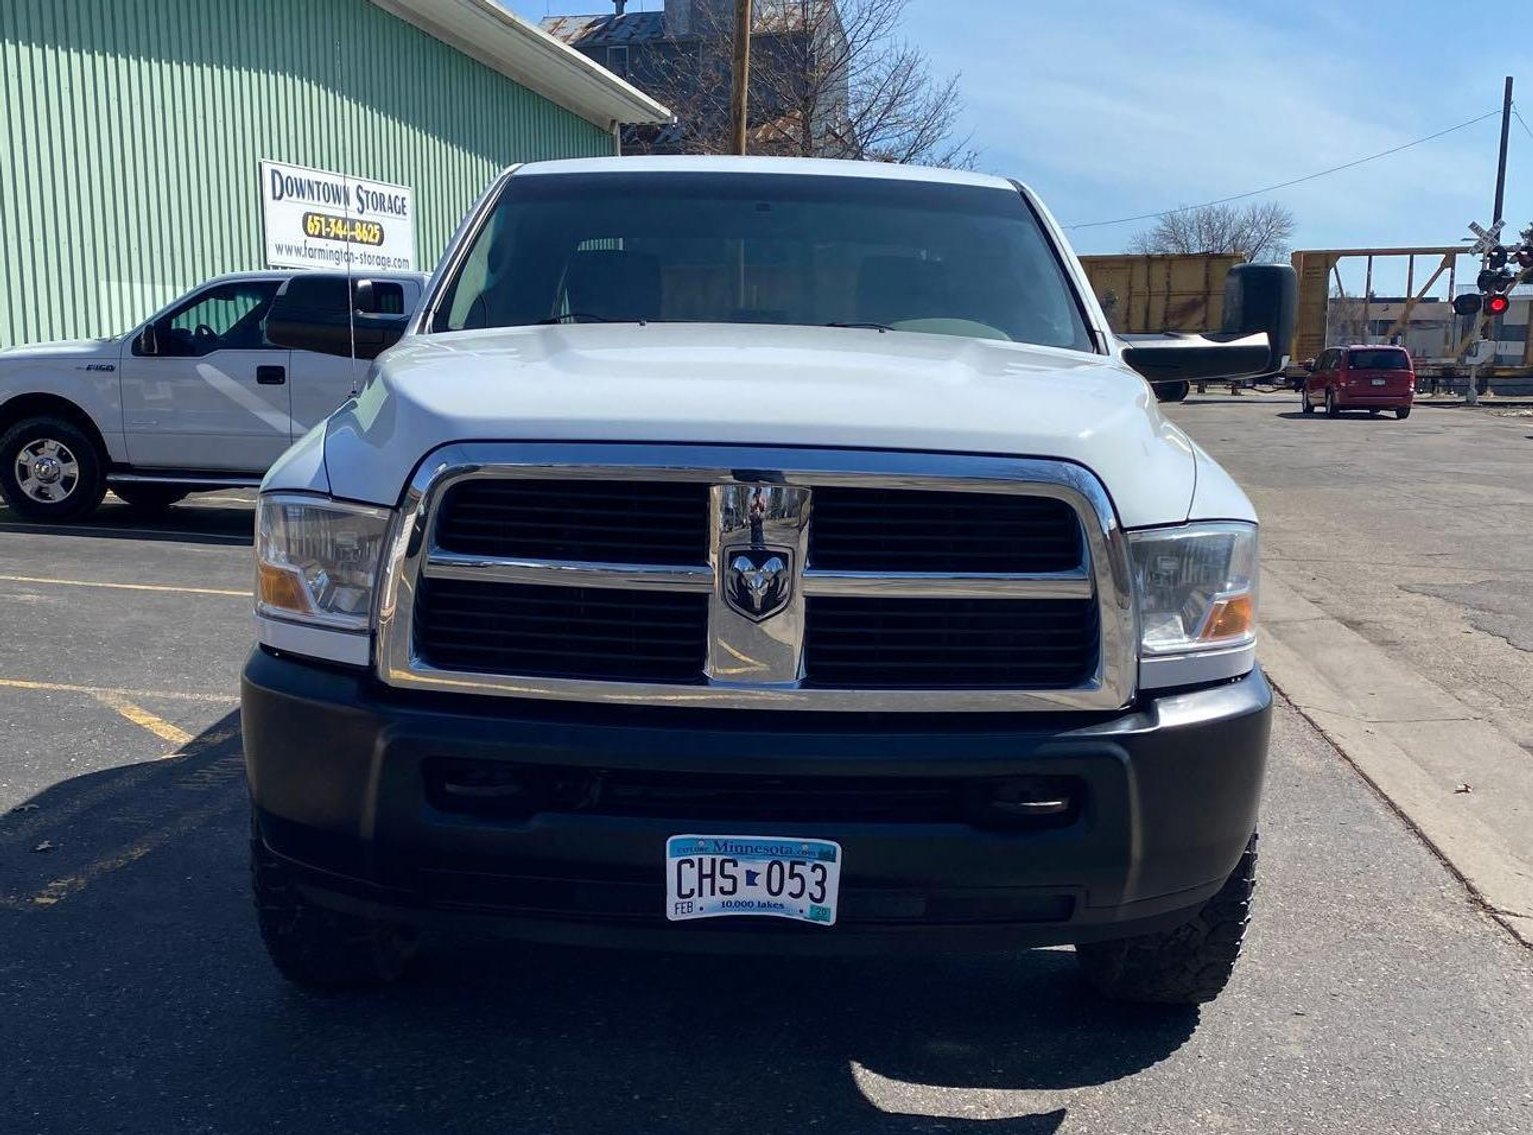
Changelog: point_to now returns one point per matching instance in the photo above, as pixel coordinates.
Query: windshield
(1379, 360)
(767, 248)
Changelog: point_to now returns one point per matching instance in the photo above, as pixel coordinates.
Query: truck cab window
(228, 317)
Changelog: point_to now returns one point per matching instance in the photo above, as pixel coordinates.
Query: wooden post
(739, 101)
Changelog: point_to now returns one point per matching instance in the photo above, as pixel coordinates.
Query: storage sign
(317, 219)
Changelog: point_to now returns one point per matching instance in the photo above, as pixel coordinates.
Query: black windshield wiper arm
(864, 326)
(577, 316)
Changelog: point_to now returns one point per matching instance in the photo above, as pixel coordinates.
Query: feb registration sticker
(709, 876)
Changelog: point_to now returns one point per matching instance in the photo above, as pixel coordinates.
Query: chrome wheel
(47, 471)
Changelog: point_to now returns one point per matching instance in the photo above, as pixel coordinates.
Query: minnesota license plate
(710, 876)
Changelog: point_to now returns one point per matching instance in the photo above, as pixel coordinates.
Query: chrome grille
(825, 580)
(916, 644)
(866, 529)
(562, 632)
(577, 520)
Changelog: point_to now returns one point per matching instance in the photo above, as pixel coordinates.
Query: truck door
(202, 389)
(320, 383)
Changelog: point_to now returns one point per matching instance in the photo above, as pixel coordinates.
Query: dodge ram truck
(761, 555)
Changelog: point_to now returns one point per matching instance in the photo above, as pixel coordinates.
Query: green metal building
(132, 132)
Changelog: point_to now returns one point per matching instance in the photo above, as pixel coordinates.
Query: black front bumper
(347, 776)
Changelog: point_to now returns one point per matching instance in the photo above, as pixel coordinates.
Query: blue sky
(1111, 108)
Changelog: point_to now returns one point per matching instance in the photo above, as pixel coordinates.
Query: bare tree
(828, 79)
(1259, 231)
(1344, 319)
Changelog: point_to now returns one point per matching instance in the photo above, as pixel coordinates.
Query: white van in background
(195, 397)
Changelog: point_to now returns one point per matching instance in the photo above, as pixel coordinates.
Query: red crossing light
(1496, 305)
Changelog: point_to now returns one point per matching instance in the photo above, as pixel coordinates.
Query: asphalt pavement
(1418, 534)
(1375, 996)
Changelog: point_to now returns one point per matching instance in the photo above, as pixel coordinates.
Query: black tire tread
(314, 946)
(88, 492)
(1187, 965)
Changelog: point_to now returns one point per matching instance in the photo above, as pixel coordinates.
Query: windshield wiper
(880, 327)
(579, 316)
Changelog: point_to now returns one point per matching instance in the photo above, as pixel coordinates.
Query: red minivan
(1360, 378)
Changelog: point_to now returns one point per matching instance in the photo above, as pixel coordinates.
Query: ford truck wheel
(1186, 965)
(313, 945)
(148, 498)
(50, 469)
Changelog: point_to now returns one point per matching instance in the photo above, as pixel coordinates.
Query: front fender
(89, 383)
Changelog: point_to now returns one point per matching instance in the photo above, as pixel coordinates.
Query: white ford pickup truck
(761, 555)
(195, 397)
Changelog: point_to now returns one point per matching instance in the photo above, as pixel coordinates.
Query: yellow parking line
(125, 586)
(62, 888)
(17, 832)
(146, 720)
(109, 691)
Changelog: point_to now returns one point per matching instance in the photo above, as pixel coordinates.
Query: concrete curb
(1417, 745)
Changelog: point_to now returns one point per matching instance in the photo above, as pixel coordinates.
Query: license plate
(1378, 381)
(710, 876)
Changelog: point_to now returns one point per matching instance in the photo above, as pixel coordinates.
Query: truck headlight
(317, 559)
(1196, 586)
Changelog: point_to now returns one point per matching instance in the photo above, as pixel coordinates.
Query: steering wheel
(204, 338)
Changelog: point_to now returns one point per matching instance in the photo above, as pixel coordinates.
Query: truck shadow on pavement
(186, 523)
(136, 997)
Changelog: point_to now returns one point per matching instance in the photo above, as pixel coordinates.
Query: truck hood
(749, 385)
(63, 349)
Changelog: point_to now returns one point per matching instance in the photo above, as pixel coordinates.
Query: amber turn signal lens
(281, 589)
(1232, 618)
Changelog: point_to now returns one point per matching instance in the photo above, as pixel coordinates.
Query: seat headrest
(614, 284)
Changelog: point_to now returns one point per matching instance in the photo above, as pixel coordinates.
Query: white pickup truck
(761, 555)
(195, 397)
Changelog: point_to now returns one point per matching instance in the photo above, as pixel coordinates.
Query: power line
(1525, 128)
(1286, 184)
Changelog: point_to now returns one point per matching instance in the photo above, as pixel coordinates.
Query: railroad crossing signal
(1489, 238)
(1497, 305)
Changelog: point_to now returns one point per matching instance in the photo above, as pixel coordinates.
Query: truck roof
(817, 167)
(285, 273)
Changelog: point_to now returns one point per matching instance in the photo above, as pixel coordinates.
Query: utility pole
(739, 101)
(1506, 127)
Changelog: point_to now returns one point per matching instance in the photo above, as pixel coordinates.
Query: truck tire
(1172, 391)
(149, 498)
(1187, 965)
(314, 946)
(50, 469)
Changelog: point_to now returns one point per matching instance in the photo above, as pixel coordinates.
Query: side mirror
(1309, 364)
(1259, 305)
(147, 343)
(329, 314)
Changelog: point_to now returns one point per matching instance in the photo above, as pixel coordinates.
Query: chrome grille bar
(566, 573)
(970, 585)
(743, 671)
